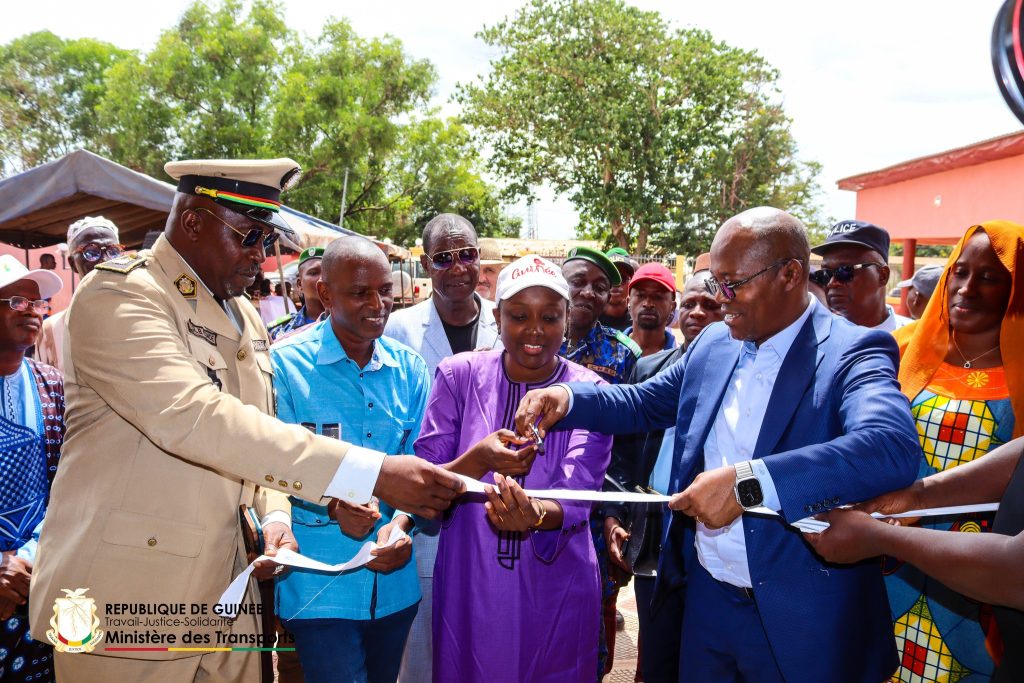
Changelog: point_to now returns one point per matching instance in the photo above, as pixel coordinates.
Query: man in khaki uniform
(169, 395)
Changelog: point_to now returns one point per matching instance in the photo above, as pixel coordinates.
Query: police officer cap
(859, 233)
(310, 253)
(620, 257)
(598, 259)
(251, 187)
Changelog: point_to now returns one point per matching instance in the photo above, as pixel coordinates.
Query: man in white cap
(920, 289)
(91, 241)
(170, 431)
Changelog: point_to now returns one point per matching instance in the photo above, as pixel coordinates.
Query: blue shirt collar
(331, 350)
(781, 341)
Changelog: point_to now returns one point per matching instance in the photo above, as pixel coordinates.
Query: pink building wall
(61, 300)
(938, 208)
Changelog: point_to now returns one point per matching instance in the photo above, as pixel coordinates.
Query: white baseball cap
(530, 271)
(12, 270)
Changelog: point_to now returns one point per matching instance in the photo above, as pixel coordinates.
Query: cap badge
(186, 286)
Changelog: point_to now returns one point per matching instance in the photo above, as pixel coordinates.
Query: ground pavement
(624, 666)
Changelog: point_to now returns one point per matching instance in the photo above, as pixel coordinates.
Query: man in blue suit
(782, 405)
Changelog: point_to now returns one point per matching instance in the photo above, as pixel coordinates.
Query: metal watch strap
(744, 470)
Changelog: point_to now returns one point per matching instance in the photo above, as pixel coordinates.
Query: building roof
(980, 152)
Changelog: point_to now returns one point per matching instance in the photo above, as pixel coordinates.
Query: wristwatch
(747, 488)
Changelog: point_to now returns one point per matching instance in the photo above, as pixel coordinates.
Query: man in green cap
(605, 350)
(616, 313)
(308, 275)
(612, 355)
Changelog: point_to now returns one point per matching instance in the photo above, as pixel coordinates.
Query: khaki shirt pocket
(144, 558)
(267, 370)
(210, 360)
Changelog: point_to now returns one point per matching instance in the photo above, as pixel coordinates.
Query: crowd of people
(762, 392)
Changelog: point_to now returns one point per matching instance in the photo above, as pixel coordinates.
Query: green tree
(347, 103)
(654, 134)
(49, 89)
(232, 80)
(206, 90)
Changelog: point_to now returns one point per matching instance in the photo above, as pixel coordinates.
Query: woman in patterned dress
(962, 369)
(31, 434)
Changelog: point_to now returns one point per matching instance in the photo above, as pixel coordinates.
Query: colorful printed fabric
(28, 460)
(289, 323)
(606, 351)
(943, 636)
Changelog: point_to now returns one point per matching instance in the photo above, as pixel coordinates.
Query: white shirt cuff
(276, 516)
(568, 391)
(768, 490)
(356, 476)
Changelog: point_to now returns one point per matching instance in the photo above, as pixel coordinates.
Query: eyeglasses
(251, 238)
(21, 304)
(822, 276)
(728, 289)
(94, 252)
(443, 260)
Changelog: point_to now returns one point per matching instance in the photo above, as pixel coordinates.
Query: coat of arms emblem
(75, 626)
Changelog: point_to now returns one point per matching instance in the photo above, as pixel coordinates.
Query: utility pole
(344, 192)
(532, 229)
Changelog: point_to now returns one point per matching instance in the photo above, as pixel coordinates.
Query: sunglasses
(94, 252)
(251, 238)
(21, 304)
(822, 276)
(728, 289)
(443, 260)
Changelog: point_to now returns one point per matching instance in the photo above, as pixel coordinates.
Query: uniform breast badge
(186, 286)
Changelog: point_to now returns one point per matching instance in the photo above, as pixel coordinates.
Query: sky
(867, 84)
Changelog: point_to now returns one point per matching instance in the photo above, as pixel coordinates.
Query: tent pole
(280, 274)
(26, 259)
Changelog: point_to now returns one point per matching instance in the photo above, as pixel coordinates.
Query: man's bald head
(446, 225)
(759, 261)
(356, 290)
(348, 253)
(776, 234)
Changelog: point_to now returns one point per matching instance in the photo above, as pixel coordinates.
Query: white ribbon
(807, 524)
(811, 525)
(232, 597)
(476, 486)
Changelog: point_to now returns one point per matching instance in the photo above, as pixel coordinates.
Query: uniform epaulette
(124, 264)
(628, 342)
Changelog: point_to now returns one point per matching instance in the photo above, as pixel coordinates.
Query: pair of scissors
(535, 435)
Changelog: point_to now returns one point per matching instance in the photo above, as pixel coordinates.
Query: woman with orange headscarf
(962, 367)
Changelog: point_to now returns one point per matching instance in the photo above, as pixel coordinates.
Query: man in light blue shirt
(341, 378)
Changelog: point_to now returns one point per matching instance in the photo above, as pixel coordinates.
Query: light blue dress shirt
(723, 552)
(379, 406)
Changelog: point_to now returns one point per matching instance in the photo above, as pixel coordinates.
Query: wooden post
(909, 252)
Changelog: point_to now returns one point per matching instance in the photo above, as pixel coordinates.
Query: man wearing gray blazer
(454, 319)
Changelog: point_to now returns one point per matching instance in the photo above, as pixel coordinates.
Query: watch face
(750, 494)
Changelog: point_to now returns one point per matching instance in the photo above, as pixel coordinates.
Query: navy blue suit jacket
(837, 431)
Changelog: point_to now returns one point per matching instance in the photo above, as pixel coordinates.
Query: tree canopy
(655, 134)
(230, 82)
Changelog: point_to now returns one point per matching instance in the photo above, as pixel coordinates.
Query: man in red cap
(652, 300)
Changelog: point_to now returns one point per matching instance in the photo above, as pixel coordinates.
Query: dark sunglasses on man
(443, 260)
(21, 304)
(250, 238)
(822, 276)
(93, 252)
